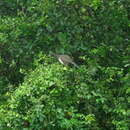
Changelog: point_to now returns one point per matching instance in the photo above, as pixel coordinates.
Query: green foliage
(38, 93)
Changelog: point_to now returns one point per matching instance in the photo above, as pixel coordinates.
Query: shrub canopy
(37, 92)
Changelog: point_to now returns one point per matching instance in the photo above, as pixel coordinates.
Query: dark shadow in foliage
(6, 9)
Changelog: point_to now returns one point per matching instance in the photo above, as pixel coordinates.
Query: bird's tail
(75, 64)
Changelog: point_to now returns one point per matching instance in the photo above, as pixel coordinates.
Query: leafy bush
(38, 93)
(53, 97)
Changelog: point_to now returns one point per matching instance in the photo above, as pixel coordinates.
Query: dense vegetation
(39, 93)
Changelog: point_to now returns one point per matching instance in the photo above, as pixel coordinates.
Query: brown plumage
(65, 59)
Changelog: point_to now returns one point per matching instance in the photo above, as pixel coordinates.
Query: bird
(65, 59)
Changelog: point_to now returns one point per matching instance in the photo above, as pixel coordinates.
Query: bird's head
(53, 54)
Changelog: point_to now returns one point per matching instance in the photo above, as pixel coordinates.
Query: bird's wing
(66, 58)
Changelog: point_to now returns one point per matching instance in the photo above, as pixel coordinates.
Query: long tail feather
(75, 64)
